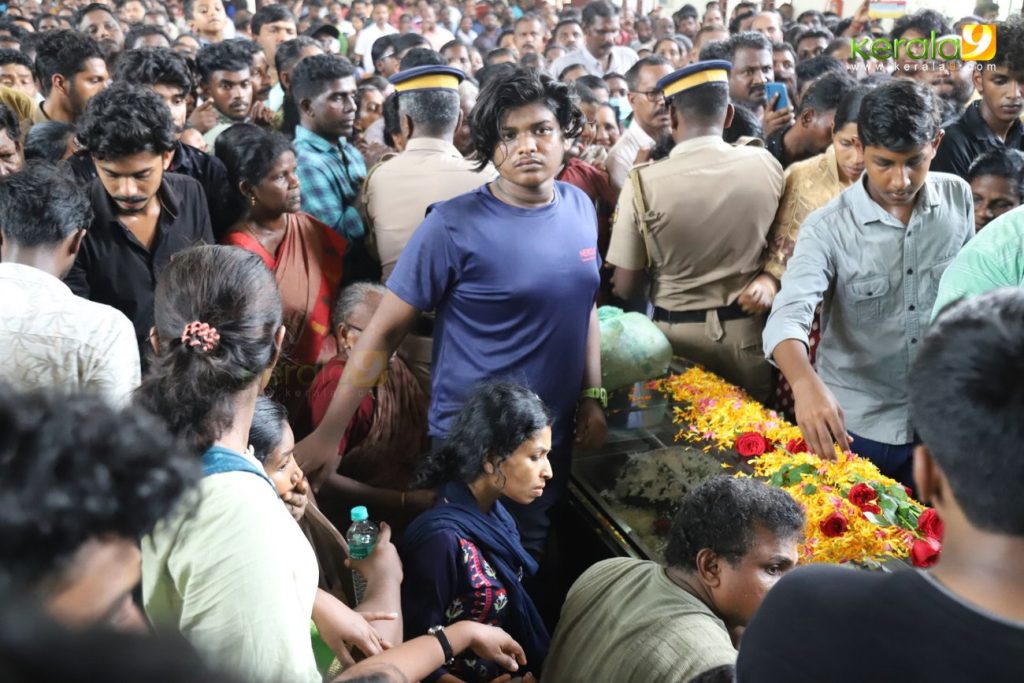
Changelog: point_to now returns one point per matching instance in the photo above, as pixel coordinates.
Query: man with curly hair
(82, 482)
(168, 75)
(225, 79)
(633, 621)
(143, 217)
(70, 68)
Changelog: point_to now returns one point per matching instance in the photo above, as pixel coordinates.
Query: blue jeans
(894, 461)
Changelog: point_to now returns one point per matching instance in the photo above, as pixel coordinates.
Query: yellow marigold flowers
(879, 521)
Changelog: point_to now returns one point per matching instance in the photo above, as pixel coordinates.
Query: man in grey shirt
(873, 258)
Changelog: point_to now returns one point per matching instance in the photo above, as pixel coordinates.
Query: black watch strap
(446, 647)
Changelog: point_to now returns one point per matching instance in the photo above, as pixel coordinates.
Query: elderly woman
(384, 439)
(511, 269)
(463, 559)
(600, 132)
(304, 255)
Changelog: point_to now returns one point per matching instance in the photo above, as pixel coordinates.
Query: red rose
(925, 552)
(910, 494)
(862, 494)
(834, 525)
(796, 446)
(872, 508)
(751, 444)
(931, 525)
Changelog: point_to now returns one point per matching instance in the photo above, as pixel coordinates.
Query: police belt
(733, 312)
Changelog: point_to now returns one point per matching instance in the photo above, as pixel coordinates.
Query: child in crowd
(206, 19)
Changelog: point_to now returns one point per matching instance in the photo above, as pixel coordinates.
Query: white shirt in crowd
(366, 39)
(623, 153)
(621, 59)
(439, 37)
(346, 27)
(51, 338)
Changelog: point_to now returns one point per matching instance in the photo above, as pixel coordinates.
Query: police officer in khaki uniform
(398, 191)
(695, 227)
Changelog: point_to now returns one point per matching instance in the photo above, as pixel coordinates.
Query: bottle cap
(359, 514)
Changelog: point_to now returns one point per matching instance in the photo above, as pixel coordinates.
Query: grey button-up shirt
(876, 279)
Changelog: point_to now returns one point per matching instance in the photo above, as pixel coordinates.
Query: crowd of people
(354, 250)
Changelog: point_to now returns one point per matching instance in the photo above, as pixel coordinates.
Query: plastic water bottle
(361, 537)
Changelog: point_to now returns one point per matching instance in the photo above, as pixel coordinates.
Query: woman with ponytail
(463, 558)
(231, 571)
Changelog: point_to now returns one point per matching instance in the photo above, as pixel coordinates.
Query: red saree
(308, 270)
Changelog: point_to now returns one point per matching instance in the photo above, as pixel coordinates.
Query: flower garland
(854, 513)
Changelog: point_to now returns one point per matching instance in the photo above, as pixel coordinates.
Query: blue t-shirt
(512, 289)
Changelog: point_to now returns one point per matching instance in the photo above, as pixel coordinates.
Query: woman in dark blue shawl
(463, 559)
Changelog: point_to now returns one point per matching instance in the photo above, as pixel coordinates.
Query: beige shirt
(233, 574)
(398, 192)
(625, 621)
(709, 208)
(51, 338)
(810, 185)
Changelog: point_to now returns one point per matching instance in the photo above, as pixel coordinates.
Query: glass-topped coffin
(633, 485)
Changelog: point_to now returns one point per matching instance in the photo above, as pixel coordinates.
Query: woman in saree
(304, 255)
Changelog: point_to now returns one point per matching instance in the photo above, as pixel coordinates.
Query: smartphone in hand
(773, 89)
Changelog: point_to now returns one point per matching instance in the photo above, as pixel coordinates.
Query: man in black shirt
(812, 132)
(994, 120)
(142, 215)
(167, 73)
(962, 620)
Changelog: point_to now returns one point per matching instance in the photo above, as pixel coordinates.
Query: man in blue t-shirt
(511, 271)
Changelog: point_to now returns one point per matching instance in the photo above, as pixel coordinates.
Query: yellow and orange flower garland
(854, 513)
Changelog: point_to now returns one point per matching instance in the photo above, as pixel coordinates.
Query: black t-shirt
(833, 625)
(967, 138)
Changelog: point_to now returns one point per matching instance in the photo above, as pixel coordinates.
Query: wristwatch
(596, 393)
(446, 647)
